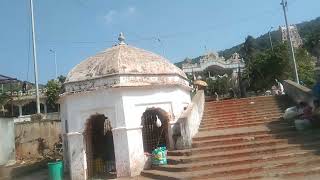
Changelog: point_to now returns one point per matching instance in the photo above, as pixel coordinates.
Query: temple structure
(118, 106)
(294, 35)
(215, 65)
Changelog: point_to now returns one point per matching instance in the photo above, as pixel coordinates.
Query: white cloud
(113, 15)
(110, 16)
(131, 10)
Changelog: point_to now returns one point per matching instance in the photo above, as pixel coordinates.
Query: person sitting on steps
(310, 117)
(315, 117)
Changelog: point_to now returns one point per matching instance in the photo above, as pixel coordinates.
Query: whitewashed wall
(7, 145)
(124, 108)
(75, 111)
(172, 100)
(188, 124)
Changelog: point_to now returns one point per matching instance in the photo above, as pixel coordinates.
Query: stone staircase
(244, 139)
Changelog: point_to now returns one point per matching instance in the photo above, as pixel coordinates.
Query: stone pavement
(42, 174)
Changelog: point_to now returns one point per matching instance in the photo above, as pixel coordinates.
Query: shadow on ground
(40, 174)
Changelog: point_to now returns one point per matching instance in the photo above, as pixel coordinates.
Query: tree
(305, 67)
(61, 79)
(307, 31)
(221, 85)
(4, 98)
(53, 91)
(267, 66)
(312, 43)
(248, 49)
(248, 52)
(210, 89)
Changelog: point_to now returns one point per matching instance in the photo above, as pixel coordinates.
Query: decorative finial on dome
(121, 39)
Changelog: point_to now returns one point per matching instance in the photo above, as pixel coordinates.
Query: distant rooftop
(6, 79)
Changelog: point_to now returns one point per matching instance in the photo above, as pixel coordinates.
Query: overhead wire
(164, 36)
(157, 38)
(172, 35)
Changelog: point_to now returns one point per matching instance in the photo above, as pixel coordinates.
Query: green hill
(309, 32)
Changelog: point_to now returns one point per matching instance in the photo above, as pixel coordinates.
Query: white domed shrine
(111, 109)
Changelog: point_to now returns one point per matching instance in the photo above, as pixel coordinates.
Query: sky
(77, 29)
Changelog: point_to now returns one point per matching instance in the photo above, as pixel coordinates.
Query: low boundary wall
(188, 124)
(298, 92)
(7, 146)
(37, 139)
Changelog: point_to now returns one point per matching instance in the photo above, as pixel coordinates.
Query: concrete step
(239, 125)
(239, 115)
(254, 160)
(162, 175)
(235, 153)
(235, 121)
(282, 97)
(244, 106)
(267, 120)
(271, 170)
(235, 101)
(232, 134)
(300, 171)
(228, 147)
(275, 169)
(248, 108)
(242, 139)
(244, 145)
(220, 111)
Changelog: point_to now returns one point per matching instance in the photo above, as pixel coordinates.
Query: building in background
(215, 65)
(18, 101)
(294, 33)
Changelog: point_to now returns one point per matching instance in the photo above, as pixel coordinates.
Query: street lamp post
(35, 58)
(284, 6)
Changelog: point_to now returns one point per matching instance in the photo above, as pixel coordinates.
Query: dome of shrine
(125, 65)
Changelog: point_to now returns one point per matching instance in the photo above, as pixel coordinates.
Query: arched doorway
(154, 136)
(99, 148)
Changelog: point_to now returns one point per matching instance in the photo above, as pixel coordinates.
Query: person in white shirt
(280, 88)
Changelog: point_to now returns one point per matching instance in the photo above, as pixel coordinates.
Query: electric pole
(35, 58)
(270, 39)
(284, 4)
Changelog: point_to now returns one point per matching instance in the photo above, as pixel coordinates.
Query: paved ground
(40, 175)
(43, 175)
(37, 175)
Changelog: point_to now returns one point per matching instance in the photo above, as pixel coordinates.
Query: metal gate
(154, 136)
(99, 148)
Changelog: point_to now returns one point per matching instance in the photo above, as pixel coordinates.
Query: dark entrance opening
(154, 136)
(99, 148)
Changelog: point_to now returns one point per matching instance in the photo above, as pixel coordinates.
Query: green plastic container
(159, 156)
(56, 170)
